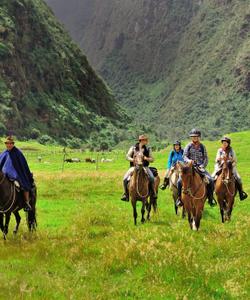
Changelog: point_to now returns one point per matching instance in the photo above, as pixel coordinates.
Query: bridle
(226, 179)
(188, 189)
(139, 169)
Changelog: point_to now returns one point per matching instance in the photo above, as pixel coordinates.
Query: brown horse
(225, 190)
(139, 188)
(11, 201)
(193, 193)
(173, 178)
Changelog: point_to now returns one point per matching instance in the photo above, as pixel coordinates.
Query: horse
(173, 178)
(194, 193)
(11, 201)
(225, 190)
(139, 188)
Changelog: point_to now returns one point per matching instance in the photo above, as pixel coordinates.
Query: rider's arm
(234, 158)
(205, 161)
(218, 156)
(150, 157)
(186, 154)
(170, 158)
(129, 155)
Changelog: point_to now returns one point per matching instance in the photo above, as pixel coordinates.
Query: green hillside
(174, 64)
(47, 86)
(86, 246)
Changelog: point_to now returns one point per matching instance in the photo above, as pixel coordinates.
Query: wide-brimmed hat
(142, 137)
(226, 139)
(9, 139)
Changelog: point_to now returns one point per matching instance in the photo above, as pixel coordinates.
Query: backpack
(172, 153)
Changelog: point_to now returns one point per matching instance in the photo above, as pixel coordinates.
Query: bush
(2, 129)
(45, 139)
(35, 133)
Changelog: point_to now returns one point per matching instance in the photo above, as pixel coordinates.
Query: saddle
(154, 171)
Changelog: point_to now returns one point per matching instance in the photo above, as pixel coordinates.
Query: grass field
(86, 246)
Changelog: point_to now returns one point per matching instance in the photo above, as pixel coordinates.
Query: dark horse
(194, 194)
(11, 201)
(139, 188)
(225, 190)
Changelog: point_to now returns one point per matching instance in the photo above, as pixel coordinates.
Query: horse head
(227, 167)
(138, 160)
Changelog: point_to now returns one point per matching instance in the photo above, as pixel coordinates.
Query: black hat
(177, 143)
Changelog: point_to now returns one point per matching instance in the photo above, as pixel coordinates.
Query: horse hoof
(143, 221)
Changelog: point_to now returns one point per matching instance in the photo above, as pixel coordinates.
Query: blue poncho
(14, 165)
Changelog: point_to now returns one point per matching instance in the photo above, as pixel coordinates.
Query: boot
(239, 187)
(27, 206)
(210, 194)
(211, 201)
(165, 183)
(178, 202)
(125, 196)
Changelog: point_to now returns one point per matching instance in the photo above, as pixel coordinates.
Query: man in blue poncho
(14, 165)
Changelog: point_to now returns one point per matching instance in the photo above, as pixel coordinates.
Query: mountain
(173, 64)
(47, 86)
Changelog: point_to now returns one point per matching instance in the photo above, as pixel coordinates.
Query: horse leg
(1, 222)
(190, 220)
(175, 207)
(149, 209)
(6, 225)
(134, 210)
(18, 220)
(183, 212)
(143, 211)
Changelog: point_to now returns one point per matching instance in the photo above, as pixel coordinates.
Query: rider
(175, 155)
(227, 150)
(197, 153)
(140, 146)
(14, 165)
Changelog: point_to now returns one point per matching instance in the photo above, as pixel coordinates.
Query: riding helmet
(194, 132)
(226, 139)
(177, 143)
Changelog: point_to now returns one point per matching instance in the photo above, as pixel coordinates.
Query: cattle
(104, 160)
(71, 160)
(90, 160)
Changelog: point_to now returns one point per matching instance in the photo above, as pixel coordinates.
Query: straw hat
(9, 139)
(142, 137)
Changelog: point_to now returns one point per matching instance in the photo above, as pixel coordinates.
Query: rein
(188, 191)
(137, 186)
(12, 197)
(226, 183)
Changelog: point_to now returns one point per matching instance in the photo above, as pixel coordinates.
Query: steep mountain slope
(178, 64)
(46, 84)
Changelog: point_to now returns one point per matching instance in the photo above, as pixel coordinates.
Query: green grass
(86, 246)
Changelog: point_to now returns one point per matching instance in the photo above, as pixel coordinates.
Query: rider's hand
(145, 158)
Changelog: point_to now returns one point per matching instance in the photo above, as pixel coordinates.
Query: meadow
(87, 247)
